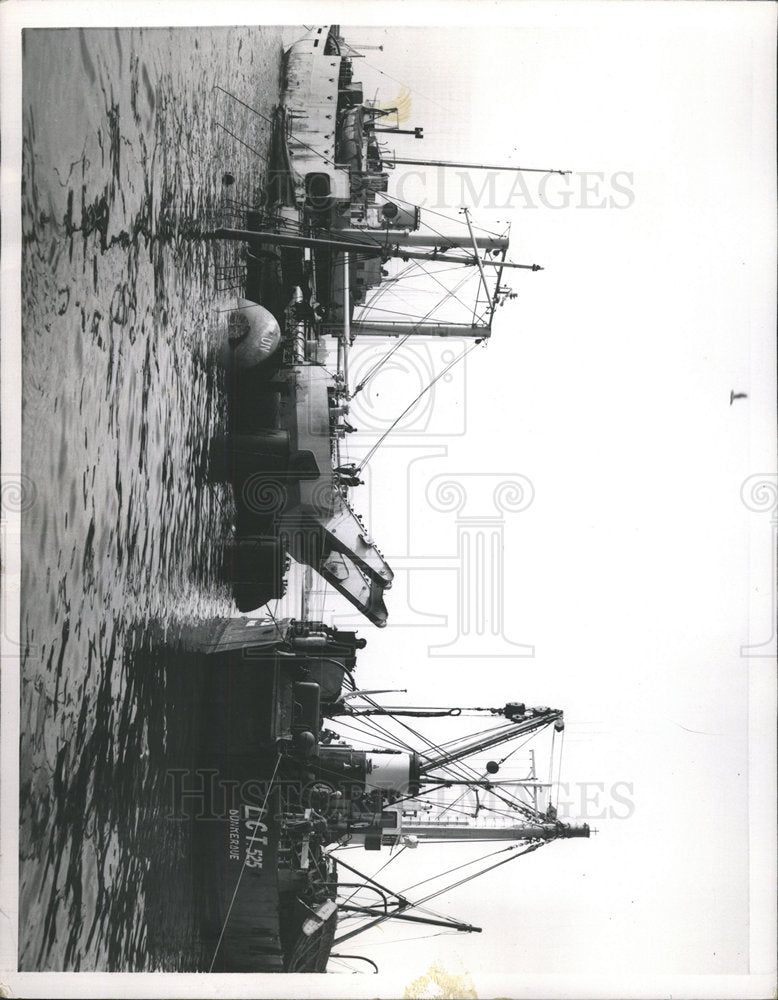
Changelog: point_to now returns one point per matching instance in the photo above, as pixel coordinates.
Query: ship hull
(257, 877)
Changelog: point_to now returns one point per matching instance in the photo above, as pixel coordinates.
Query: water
(125, 152)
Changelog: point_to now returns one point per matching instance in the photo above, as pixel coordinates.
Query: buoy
(253, 334)
(305, 742)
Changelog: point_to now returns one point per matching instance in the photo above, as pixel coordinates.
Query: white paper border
(55, 13)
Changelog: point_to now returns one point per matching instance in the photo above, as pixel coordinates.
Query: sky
(607, 384)
(637, 573)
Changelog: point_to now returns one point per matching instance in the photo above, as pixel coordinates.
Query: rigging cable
(243, 867)
(460, 774)
(449, 293)
(430, 745)
(410, 406)
(395, 740)
(275, 621)
(551, 759)
(395, 312)
(559, 772)
(391, 858)
(359, 958)
(420, 937)
(364, 732)
(412, 90)
(527, 850)
(442, 215)
(332, 163)
(395, 347)
(256, 152)
(450, 871)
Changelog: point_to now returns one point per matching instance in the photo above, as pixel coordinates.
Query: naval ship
(300, 772)
(316, 257)
(304, 771)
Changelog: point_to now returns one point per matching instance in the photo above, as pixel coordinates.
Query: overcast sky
(607, 383)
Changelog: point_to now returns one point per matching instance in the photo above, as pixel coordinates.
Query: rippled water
(126, 144)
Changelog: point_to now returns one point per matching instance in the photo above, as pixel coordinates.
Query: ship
(299, 771)
(315, 257)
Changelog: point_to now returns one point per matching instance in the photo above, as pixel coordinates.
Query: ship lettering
(234, 835)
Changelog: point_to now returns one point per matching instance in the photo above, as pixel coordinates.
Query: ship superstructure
(307, 771)
(304, 767)
(328, 230)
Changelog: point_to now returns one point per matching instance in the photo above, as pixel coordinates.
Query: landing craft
(315, 258)
(300, 772)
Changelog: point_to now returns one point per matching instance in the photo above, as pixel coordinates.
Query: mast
(346, 331)
(476, 166)
(417, 133)
(390, 328)
(538, 720)
(479, 262)
(380, 237)
(447, 831)
(371, 249)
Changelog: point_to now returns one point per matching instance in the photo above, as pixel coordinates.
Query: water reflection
(122, 161)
